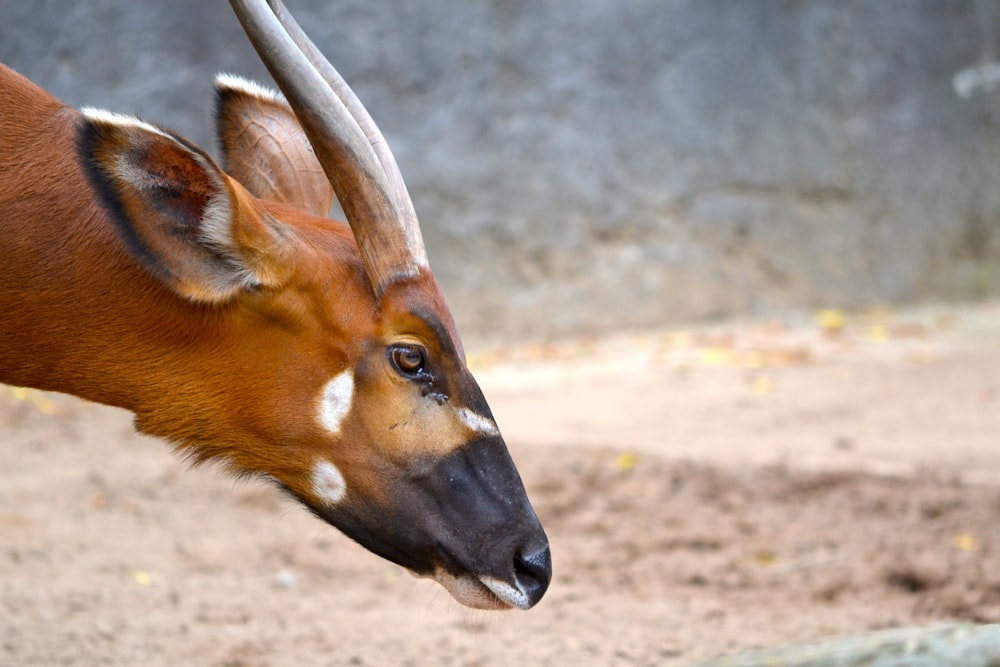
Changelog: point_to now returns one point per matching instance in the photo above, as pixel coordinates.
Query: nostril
(533, 572)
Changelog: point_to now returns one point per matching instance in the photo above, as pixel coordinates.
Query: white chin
(482, 592)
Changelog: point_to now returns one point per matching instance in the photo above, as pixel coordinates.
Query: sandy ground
(705, 491)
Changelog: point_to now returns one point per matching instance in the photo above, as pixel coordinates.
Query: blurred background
(594, 166)
(729, 274)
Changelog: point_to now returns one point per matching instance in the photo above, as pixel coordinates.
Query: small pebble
(285, 579)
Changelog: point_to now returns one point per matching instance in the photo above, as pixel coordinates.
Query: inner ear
(265, 149)
(179, 215)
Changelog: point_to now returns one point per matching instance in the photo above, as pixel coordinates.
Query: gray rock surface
(593, 165)
(944, 645)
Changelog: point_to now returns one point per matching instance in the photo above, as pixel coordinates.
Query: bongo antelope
(238, 322)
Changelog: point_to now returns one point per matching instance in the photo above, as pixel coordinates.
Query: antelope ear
(265, 148)
(197, 230)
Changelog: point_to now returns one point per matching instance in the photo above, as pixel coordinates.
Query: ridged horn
(348, 144)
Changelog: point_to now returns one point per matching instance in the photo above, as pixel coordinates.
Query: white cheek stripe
(328, 483)
(477, 422)
(336, 399)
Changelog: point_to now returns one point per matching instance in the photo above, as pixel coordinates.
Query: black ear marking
(89, 137)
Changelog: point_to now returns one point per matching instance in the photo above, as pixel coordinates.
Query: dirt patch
(112, 552)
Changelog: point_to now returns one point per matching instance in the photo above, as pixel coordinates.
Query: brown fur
(83, 317)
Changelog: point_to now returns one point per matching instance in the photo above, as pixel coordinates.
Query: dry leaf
(830, 319)
(965, 542)
(762, 385)
(878, 333)
(626, 461)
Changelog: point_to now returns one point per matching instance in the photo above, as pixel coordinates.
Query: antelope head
(352, 391)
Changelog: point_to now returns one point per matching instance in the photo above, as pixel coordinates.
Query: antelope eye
(409, 360)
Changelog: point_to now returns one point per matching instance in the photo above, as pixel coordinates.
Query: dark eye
(409, 360)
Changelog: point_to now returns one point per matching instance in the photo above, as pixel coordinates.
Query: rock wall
(592, 165)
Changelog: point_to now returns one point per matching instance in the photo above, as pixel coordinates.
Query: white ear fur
(226, 81)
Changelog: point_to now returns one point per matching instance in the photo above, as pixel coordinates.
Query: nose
(522, 585)
(482, 527)
(533, 572)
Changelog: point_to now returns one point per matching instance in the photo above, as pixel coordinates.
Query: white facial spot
(328, 483)
(477, 423)
(335, 401)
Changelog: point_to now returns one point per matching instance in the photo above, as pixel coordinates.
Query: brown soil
(704, 491)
